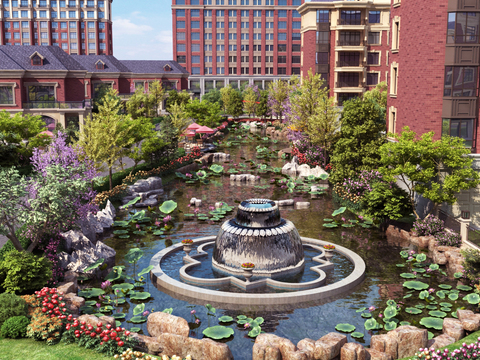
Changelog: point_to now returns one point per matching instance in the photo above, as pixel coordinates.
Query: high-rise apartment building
(236, 42)
(82, 27)
(347, 42)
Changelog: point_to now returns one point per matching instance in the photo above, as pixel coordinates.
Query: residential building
(347, 43)
(236, 42)
(82, 27)
(46, 81)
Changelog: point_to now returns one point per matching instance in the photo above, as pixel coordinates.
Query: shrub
(386, 201)
(448, 237)
(12, 305)
(471, 265)
(9, 245)
(15, 327)
(44, 327)
(431, 225)
(24, 271)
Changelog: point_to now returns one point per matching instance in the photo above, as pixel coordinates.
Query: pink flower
(246, 326)
(197, 321)
(167, 218)
(371, 308)
(380, 315)
(193, 312)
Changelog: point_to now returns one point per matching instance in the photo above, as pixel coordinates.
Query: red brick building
(236, 42)
(44, 80)
(76, 26)
(347, 43)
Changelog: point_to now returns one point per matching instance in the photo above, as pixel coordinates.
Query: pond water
(382, 280)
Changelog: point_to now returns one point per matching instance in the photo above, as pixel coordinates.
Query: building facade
(46, 81)
(236, 42)
(347, 42)
(82, 27)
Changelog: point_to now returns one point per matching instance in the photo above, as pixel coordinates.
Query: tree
(162, 146)
(278, 92)
(137, 105)
(235, 107)
(155, 96)
(204, 112)
(104, 135)
(213, 96)
(360, 139)
(250, 100)
(226, 96)
(379, 97)
(263, 109)
(138, 130)
(435, 169)
(98, 96)
(181, 98)
(179, 117)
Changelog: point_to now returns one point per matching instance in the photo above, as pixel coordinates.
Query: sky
(142, 29)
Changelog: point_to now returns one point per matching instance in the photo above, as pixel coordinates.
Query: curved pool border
(195, 294)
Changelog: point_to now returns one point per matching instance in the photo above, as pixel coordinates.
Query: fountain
(259, 236)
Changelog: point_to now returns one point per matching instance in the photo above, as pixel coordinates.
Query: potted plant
(329, 248)
(187, 246)
(248, 270)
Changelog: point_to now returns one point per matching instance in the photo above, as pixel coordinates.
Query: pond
(382, 282)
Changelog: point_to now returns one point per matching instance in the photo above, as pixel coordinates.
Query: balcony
(67, 105)
(349, 84)
(349, 42)
(343, 63)
(351, 24)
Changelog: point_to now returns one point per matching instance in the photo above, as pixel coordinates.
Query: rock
(139, 187)
(67, 288)
(439, 257)
(106, 252)
(353, 351)
(377, 355)
(302, 205)
(289, 202)
(205, 349)
(384, 344)
(395, 232)
(328, 346)
(86, 257)
(305, 170)
(96, 226)
(193, 347)
(453, 328)
(93, 320)
(150, 193)
(409, 340)
(110, 210)
(207, 159)
(64, 259)
(291, 168)
(266, 347)
(440, 341)
(192, 201)
(75, 240)
(147, 344)
(470, 321)
(154, 182)
(198, 203)
(220, 157)
(70, 276)
(146, 203)
(432, 244)
(160, 322)
(87, 229)
(107, 320)
(306, 345)
(424, 241)
(171, 344)
(213, 350)
(74, 302)
(105, 220)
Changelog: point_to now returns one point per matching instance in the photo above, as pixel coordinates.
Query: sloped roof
(153, 66)
(110, 61)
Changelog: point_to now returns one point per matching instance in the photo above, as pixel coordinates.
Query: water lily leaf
(138, 215)
(390, 312)
(90, 302)
(121, 224)
(241, 317)
(432, 323)
(416, 285)
(115, 274)
(440, 294)
(133, 255)
(421, 257)
(437, 313)
(348, 225)
(339, 211)
(168, 206)
(458, 275)
(366, 315)
(434, 266)
(404, 254)
(371, 324)
(453, 296)
(138, 319)
(95, 265)
(139, 309)
(168, 310)
(330, 225)
(119, 316)
(357, 335)
(123, 286)
(390, 325)
(400, 265)
(404, 323)
(345, 328)
(132, 202)
(225, 318)
(124, 236)
(464, 287)
(210, 308)
(420, 271)
(92, 292)
(255, 331)
(472, 298)
(445, 286)
(407, 296)
(135, 329)
(420, 306)
(413, 311)
(217, 169)
(86, 309)
(120, 232)
(431, 307)
(361, 309)
(327, 220)
(218, 332)
(158, 232)
(454, 314)
(259, 320)
(140, 295)
(407, 276)
(146, 270)
(323, 176)
(107, 308)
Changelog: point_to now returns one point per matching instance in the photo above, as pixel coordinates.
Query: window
(207, 47)
(282, 71)
(195, 70)
(282, 24)
(207, 36)
(53, 3)
(269, 36)
(282, 59)
(181, 59)
(63, 25)
(208, 70)
(257, 13)
(220, 59)
(73, 35)
(24, 14)
(101, 3)
(232, 59)
(180, 2)
(244, 71)
(296, 25)
(296, 2)
(220, 36)
(244, 59)
(72, 25)
(180, 36)
(54, 14)
(16, 35)
(91, 25)
(101, 36)
(232, 36)
(232, 2)
(207, 24)
(73, 46)
(257, 2)
(207, 13)
(282, 47)
(91, 35)
(7, 25)
(232, 13)
(195, 59)
(6, 14)
(296, 47)
(180, 24)
(351, 17)
(220, 25)
(372, 79)
(374, 17)
(90, 3)
(296, 14)
(396, 33)
(101, 25)
(460, 81)
(463, 27)
(43, 14)
(15, 14)
(25, 25)
(207, 2)
(269, 25)
(346, 79)
(342, 97)
(295, 59)
(219, 2)
(181, 48)
(195, 47)
(64, 36)
(257, 47)
(220, 70)
(41, 93)
(180, 12)
(232, 25)
(244, 47)
(462, 128)
(195, 13)
(269, 13)
(220, 47)
(90, 14)
(373, 38)
(232, 47)
(208, 59)
(91, 46)
(394, 79)
(244, 2)
(321, 58)
(282, 13)
(16, 25)
(257, 25)
(220, 13)
(282, 36)
(244, 13)
(195, 24)
(244, 25)
(6, 95)
(55, 36)
(25, 35)
(244, 36)
(195, 36)
(373, 58)
(257, 36)
(72, 14)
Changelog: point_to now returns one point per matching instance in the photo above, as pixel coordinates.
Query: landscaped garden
(403, 284)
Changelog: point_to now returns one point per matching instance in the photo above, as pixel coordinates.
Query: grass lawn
(18, 349)
(468, 340)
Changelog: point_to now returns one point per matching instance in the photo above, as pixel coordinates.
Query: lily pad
(345, 328)
(458, 275)
(146, 270)
(407, 276)
(400, 265)
(132, 202)
(420, 306)
(135, 329)
(255, 331)
(241, 317)
(339, 211)
(95, 265)
(133, 255)
(327, 220)
(86, 309)
(123, 286)
(218, 332)
(371, 324)
(92, 292)
(437, 313)
(421, 257)
(445, 286)
(120, 232)
(413, 311)
(168, 206)
(390, 312)
(139, 309)
(140, 295)
(225, 318)
(404, 323)
(390, 325)
(119, 316)
(416, 285)
(430, 335)
(472, 298)
(158, 232)
(440, 294)
(432, 323)
(407, 296)
(330, 225)
(431, 307)
(168, 310)
(124, 236)
(434, 267)
(464, 287)
(453, 296)
(259, 320)
(366, 315)
(138, 319)
(357, 335)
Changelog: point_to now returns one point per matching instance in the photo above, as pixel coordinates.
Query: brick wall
(76, 89)
(308, 50)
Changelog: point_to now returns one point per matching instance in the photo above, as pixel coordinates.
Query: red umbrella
(193, 126)
(205, 130)
(46, 132)
(189, 133)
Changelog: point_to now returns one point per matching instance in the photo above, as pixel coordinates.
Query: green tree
(226, 96)
(155, 96)
(213, 96)
(360, 139)
(386, 201)
(137, 104)
(161, 147)
(138, 129)
(250, 101)
(179, 117)
(278, 92)
(204, 112)
(379, 97)
(105, 136)
(437, 170)
(98, 95)
(235, 107)
(263, 109)
(181, 98)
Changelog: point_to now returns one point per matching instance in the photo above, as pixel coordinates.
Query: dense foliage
(15, 327)
(448, 237)
(430, 225)
(12, 305)
(471, 266)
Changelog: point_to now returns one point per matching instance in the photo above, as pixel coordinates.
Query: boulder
(95, 225)
(160, 322)
(105, 220)
(306, 345)
(198, 203)
(220, 157)
(289, 202)
(86, 257)
(440, 341)
(420, 241)
(377, 355)
(328, 346)
(75, 240)
(64, 259)
(439, 257)
(353, 351)
(93, 320)
(302, 205)
(110, 210)
(213, 350)
(87, 228)
(146, 203)
(266, 347)
(70, 276)
(154, 182)
(305, 170)
(73, 302)
(453, 328)
(207, 159)
(470, 320)
(409, 340)
(107, 320)
(67, 288)
(150, 193)
(139, 187)
(291, 168)
(147, 344)
(384, 344)
(106, 252)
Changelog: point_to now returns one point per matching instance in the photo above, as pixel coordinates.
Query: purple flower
(167, 218)
(105, 284)
(98, 305)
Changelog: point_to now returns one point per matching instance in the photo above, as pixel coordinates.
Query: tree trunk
(110, 177)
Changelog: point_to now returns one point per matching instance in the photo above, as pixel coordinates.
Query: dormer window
(100, 65)
(167, 68)
(36, 59)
